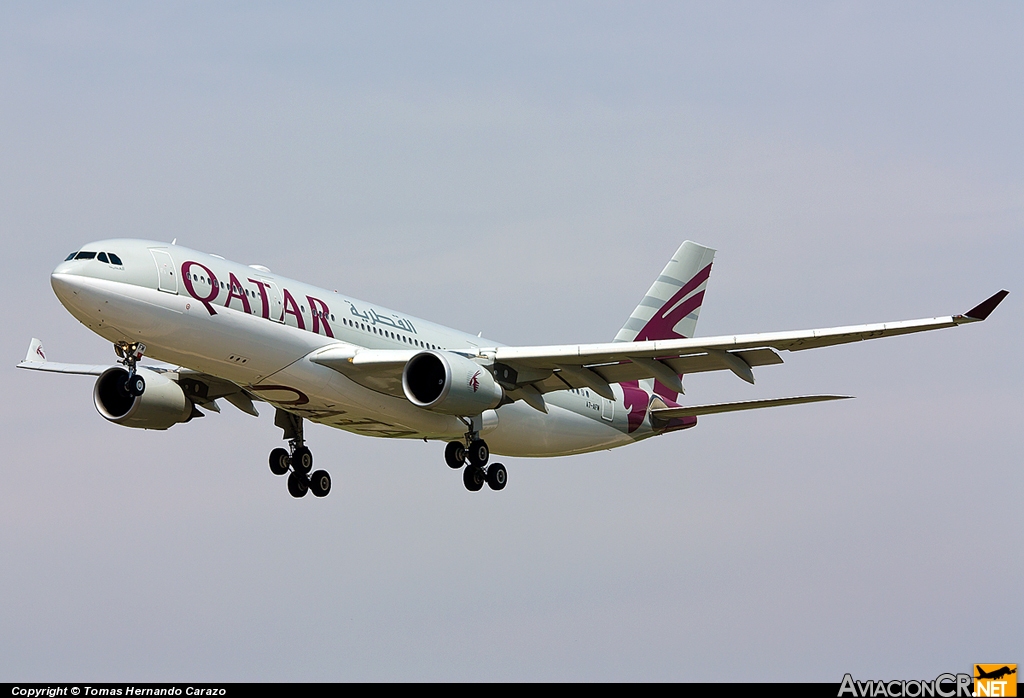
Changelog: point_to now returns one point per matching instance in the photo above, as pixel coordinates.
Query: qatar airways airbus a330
(244, 334)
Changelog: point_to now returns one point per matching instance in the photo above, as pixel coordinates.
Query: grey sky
(525, 171)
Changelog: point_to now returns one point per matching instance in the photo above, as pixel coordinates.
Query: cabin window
(85, 255)
(114, 259)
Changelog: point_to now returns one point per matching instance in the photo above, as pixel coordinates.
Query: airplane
(995, 674)
(225, 330)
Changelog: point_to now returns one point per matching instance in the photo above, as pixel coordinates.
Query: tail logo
(39, 350)
(681, 304)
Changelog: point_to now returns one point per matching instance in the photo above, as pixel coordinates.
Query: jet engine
(161, 406)
(449, 383)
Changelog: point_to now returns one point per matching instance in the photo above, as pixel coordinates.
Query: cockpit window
(102, 256)
(85, 255)
(71, 256)
(114, 259)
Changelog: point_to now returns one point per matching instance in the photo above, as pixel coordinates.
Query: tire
(455, 455)
(320, 483)
(298, 485)
(279, 461)
(302, 460)
(136, 386)
(478, 453)
(473, 478)
(497, 477)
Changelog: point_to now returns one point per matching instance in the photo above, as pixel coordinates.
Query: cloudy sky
(525, 170)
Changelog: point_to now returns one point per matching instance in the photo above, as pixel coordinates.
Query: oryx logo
(995, 680)
(474, 381)
(39, 350)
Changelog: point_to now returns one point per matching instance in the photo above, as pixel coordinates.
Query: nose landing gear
(130, 354)
(298, 459)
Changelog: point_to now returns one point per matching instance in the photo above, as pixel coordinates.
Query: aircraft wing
(376, 369)
(201, 388)
(54, 367)
(527, 372)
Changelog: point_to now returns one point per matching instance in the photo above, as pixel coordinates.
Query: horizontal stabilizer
(696, 410)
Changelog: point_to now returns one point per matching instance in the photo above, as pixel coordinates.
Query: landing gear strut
(130, 354)
(474, 454)
(298, 459)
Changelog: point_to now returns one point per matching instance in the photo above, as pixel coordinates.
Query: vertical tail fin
(669, 311)
(671, 306)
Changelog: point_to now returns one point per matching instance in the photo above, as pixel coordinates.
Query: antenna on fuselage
(174, 241)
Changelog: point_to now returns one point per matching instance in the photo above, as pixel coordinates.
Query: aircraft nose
(61, 282)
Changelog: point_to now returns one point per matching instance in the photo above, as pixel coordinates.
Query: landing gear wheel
(473, 478)
(455, 455)
(302, 460)
(497, 477)
(279, 461)
(124, 387)
(478, 453)
(320, 483)
(136, 385)
(298, 485)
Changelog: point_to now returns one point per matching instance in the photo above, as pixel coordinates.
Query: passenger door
(167, 280)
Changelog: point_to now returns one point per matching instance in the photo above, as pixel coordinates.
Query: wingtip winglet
(985, 308)
(35, 352)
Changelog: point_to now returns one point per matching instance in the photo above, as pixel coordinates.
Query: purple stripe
(663, 326)
(698, 278)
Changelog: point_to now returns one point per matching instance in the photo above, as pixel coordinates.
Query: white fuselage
(257, 329)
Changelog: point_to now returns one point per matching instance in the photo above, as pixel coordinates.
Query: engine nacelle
(449, 383)
(161, 406)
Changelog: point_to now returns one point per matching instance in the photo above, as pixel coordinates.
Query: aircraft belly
(323, 395)
(524, 432)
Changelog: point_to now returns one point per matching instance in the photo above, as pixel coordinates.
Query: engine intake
(162, 405)
(450, 384)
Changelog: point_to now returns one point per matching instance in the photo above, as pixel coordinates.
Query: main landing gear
(474, 455)
(130, 354)
(298, 459)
